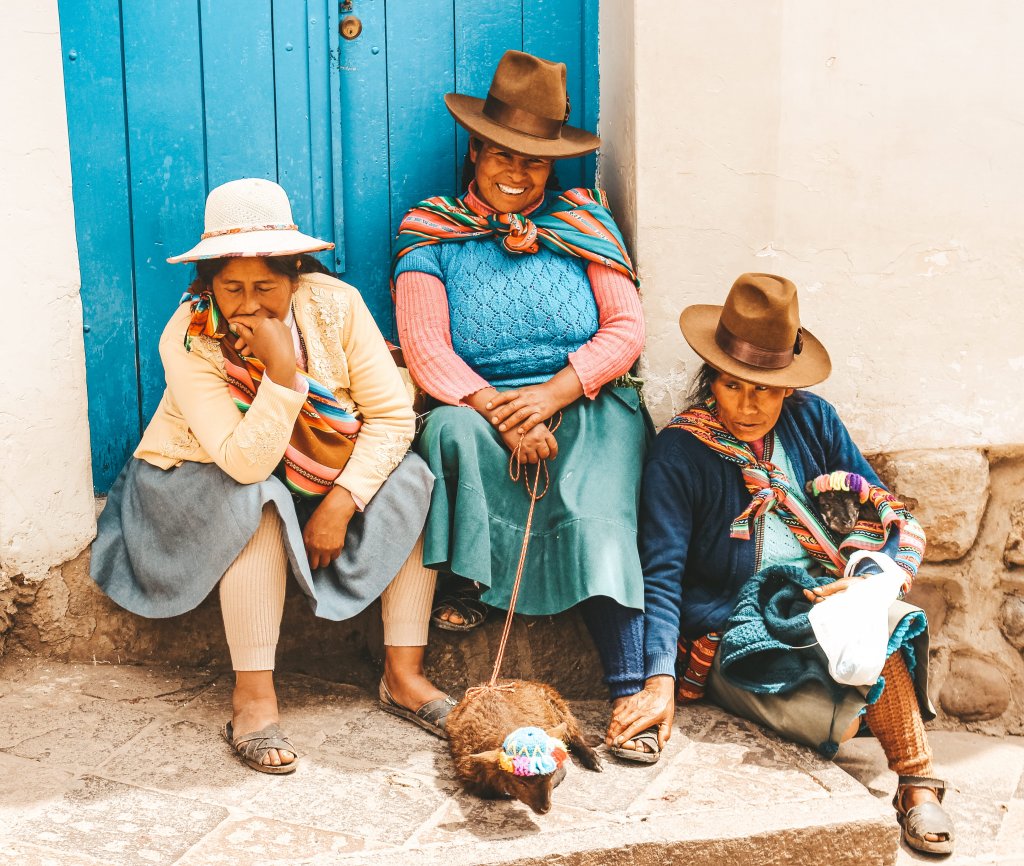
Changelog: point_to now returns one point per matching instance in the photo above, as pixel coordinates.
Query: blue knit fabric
(514, 318)
(780, 544)
(618, 635)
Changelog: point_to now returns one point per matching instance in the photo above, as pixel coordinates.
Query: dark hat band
(520, 120)
(754, 356)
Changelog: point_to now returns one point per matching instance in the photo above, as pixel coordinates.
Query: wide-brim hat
(248, 218)
(756, 335)
(525, 110)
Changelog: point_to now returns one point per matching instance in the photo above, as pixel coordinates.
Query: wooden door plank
(94, 89)
(238, 86)
(292, 104)
(422, 132)
(483, 33)
(163, 85)
(554, 29)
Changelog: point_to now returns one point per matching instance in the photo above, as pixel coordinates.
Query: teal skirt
(583, 538)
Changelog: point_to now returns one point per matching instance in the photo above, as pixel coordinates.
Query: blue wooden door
(167, 100)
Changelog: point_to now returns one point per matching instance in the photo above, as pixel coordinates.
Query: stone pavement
(106, 764)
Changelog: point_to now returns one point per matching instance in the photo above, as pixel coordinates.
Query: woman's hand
(522, 409)
(269, 340)
(652, 705)
(820, 593)
(526, 407)
(539, 444)
(324, 535)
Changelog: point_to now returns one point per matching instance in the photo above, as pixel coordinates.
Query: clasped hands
(520, 416)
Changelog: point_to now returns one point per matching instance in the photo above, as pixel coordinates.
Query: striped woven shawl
(324, 433)
(576, 222)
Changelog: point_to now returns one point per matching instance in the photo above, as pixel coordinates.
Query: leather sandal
(253, 748)
(466, 603)
(648, 755)
(431, 716)
(925, 818)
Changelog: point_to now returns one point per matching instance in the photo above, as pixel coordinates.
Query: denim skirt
(166, 537)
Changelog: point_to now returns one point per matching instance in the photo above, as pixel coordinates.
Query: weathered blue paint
(94, 88)
(217, 89)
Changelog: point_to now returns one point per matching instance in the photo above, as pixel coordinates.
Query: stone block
(933, 601)
(1013, 553)
(1011, 620)
(975, 690)
(946, 489)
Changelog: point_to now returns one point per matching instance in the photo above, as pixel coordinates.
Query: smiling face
(248, 287)
(507, 181)
(748, 411)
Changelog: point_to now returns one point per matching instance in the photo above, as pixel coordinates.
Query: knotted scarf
(576, 223)
(324, 433)
(771, 490)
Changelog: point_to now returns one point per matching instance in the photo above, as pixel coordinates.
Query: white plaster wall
(869, 151)
(46, 501)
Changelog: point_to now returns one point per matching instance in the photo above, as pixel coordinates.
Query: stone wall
(971, 585)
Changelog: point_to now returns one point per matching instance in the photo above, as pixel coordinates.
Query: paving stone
(189, 759)
(468, 820)
(30, 786)
(32, 855)
(121, 824)
(350, 797)
(262, 841)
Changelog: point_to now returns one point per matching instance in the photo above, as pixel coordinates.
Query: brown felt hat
(525, 110)
(756, 336)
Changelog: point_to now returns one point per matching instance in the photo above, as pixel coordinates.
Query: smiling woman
(280, 444)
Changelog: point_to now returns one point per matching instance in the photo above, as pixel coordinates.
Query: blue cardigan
(693, 570)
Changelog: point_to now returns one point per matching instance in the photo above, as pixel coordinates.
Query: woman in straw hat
(518, 313)
(280, 442)
(730, 579)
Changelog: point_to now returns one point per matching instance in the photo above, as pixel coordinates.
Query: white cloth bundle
(852, 627)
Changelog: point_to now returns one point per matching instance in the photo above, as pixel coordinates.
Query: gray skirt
(166, 537)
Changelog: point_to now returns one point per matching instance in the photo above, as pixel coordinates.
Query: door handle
(350, 27)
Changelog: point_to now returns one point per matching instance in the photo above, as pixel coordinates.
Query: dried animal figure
(509, 741)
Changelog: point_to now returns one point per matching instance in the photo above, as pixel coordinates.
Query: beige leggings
(252, 598)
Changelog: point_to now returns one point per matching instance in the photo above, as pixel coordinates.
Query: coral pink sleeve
(424, 331)
(620, 333)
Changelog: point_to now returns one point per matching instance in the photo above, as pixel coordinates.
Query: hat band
(520, 120)
(754, 356)
(237, 230)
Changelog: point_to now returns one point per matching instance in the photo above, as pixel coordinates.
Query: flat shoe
(466, 604)
(431, 716)
(647, 737)
(925, 818)
(253, 748)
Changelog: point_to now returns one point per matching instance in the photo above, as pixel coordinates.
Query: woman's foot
(643, 745)
(926, 826)
(254, 707)
(406, 692)
(458, 610)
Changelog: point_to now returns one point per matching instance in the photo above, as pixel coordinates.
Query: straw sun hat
(525, 110)
(756, 335)
(248, 218)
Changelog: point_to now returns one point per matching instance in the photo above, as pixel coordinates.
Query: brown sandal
(252, 748)
(925, 818)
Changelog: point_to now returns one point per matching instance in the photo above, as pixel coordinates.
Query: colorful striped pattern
(694, 665)
(324, 433)
(771, 490)
(575, 223)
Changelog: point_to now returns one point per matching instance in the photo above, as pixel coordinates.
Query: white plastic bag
(852, 627)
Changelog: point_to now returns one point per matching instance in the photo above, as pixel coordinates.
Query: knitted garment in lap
(514, 318)
(895, 720)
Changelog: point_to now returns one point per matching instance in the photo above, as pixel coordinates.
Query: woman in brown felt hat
(518, 313)
(736, 555)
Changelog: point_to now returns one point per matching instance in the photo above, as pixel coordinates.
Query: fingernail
(488, 406)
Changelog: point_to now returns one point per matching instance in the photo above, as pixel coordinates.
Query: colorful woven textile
(694, 665)
(324, 433)
(771, 489)
(576, 223)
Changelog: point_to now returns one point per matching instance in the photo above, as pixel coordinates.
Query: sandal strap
(256, 744)
(435, 712)
(469, 608)
(904, 782)
(927, 819)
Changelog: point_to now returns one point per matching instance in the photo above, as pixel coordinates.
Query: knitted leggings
(895, 719)
(252, 598)
(618, 635)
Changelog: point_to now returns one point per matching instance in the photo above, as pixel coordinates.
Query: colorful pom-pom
(531, 752)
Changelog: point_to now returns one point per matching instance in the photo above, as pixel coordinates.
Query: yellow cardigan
(198, 420)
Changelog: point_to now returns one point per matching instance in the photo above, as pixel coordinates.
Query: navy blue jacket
(693, 570)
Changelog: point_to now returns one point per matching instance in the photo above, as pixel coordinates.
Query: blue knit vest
(514, 318)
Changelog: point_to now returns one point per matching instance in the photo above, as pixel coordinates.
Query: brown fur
(477, 727)
(841, 509)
